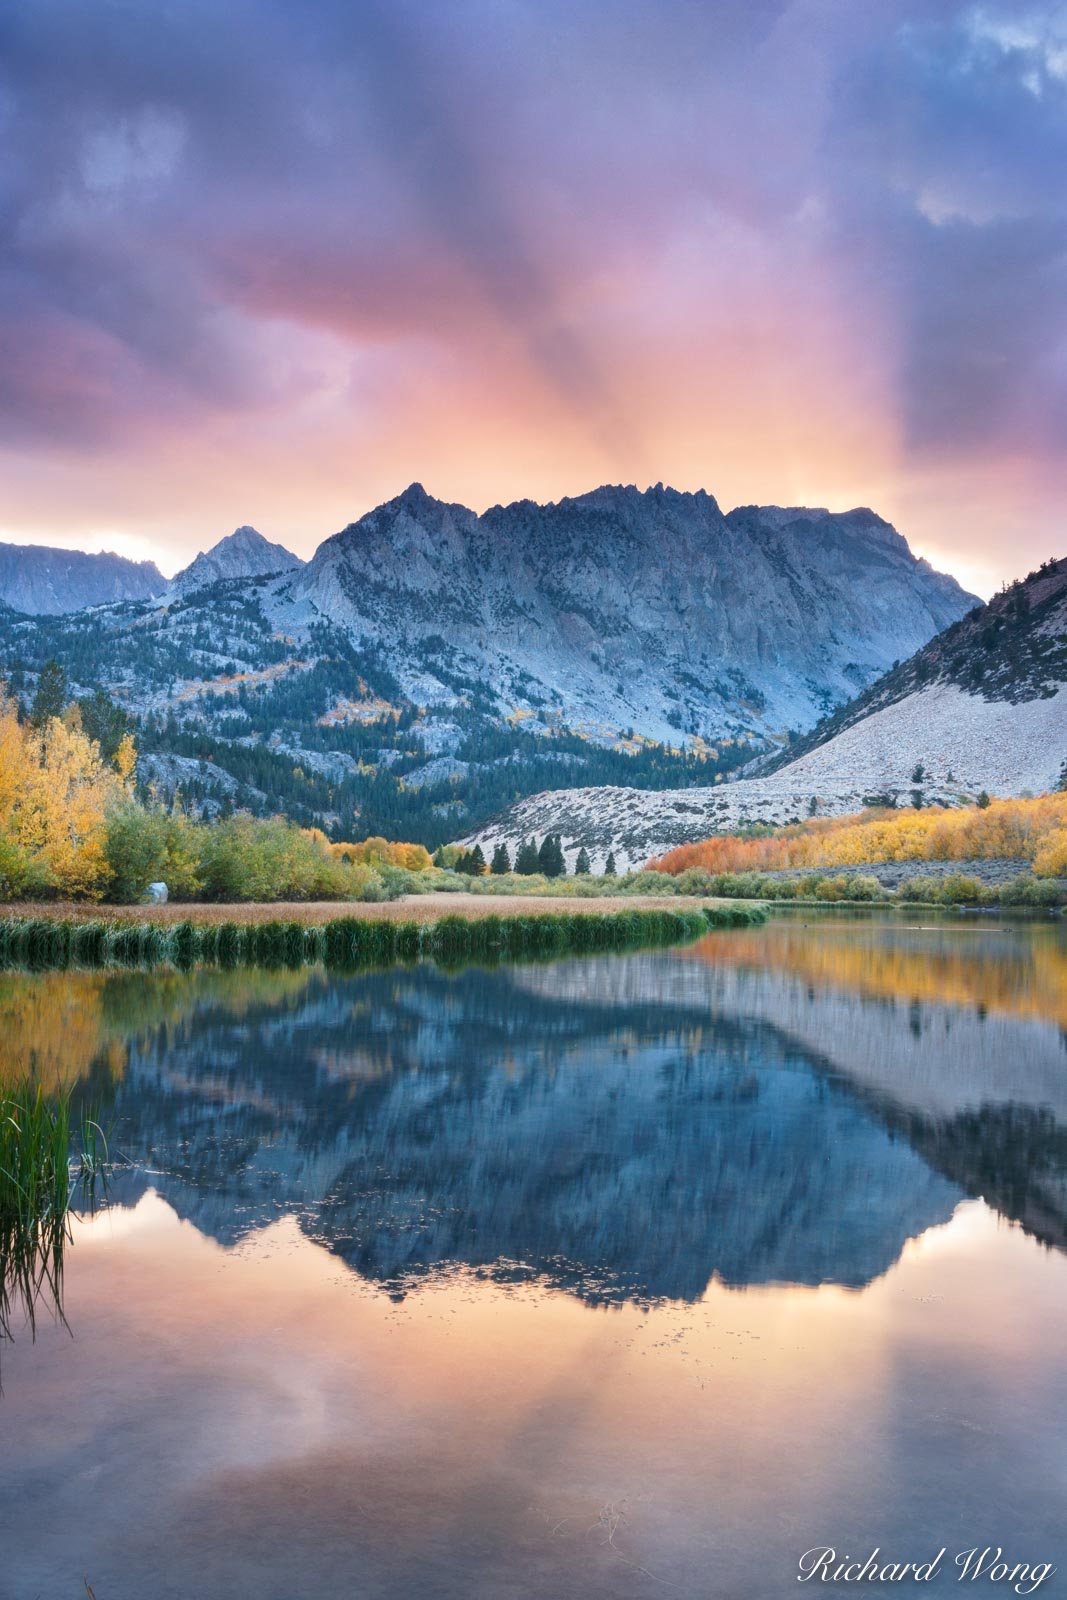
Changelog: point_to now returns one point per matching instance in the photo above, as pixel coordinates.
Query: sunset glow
(270, 264)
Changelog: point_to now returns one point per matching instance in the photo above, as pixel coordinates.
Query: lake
(617, 1276)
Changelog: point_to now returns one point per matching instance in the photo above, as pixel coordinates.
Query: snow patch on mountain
(963, 743)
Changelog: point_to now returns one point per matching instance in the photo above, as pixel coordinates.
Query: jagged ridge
(42, 581)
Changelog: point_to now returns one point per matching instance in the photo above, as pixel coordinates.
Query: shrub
(1028, 891)
(865, 888)
(958, 889)
(135, 846)
(991, 829)
(21, 874)
(832, 888)
(246, 859)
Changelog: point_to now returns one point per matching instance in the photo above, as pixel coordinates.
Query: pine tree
(609, 865)
(51, 694)
(526, 861)
(550, 859)
(476, 859)
(501, 861)
(104, 721)
(581, 866)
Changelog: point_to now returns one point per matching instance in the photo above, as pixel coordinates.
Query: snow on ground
(964, 744)
(962, 741)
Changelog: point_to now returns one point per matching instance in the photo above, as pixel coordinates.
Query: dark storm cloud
(369, 167)
(951, 148)
(182, 184)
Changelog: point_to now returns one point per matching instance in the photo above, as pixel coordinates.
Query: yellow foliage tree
(379, 852)
(54, 793)
(126, 758)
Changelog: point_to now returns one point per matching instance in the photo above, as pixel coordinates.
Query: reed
(353, 942)
(40, 1178)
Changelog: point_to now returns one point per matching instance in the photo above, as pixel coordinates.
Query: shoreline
(407, 908)
(38, 943)
(432, 908)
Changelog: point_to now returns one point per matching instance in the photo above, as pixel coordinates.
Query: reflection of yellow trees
(55, 1027)
(52, 1029)
(1024, 978)
(1025, 830)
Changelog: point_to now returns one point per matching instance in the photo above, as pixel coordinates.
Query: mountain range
(428, 666)
(982, 706)
(622, 609)
(44, 581)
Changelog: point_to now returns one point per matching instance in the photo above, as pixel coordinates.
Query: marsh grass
(349, 943)
(40, 1181)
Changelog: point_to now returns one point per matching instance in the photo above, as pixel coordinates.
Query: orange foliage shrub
(377, 852)
(1025, 830)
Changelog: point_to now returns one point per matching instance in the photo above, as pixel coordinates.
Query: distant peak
(417, 503)
(415, 495)
(244, 553)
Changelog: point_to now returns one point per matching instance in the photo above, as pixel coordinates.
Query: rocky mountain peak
(243, 538)
(244, 553)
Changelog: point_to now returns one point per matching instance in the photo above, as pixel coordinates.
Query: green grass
(39, 1181)
(353, 942)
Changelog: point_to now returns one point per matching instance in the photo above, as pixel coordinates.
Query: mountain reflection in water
(780, 1107)
(596, 1279)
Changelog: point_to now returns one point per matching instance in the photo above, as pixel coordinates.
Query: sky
(270, 261)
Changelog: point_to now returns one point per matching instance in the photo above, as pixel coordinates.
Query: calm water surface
(622, 1276)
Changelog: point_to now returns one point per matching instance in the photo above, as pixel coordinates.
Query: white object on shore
(156, 894)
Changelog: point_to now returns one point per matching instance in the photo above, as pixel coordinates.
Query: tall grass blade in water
(354, 942)
(39, 1181)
